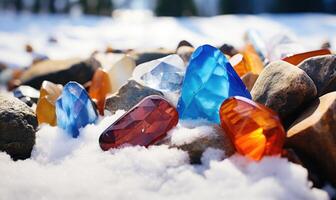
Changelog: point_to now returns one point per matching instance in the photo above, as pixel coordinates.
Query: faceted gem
(74, 109)
(100, 87)
(145, 124)
(298, 58)
(254, 129)
(45, 109)
(164, 74)
(209, 80)
(252, 59)
(239, 64)
(27, 94)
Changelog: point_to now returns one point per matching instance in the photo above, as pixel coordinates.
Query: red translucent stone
(298, 58)
(254, 129)
(145, 124)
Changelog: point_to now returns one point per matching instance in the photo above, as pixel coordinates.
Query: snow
(65, 168)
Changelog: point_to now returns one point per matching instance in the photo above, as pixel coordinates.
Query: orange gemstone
(239, 64)
(45, 109)
(297, 58)
(252, 59)
(254, 129)
(100, 88)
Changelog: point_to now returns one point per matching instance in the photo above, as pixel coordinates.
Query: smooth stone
(18, 125)
(27, 94)
(249, 80)
(74, 109)
(184, 43)
(128, 96)
(284, 88)
(118, 65)
(185, 53)
(313, 135)
(209, 80)
(322, 70)
(58, 72)
(164, 74)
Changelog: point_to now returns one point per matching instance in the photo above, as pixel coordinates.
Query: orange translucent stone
(100, 88)
(254, 129)
(247, 61)
(298, 58)
(45, 109)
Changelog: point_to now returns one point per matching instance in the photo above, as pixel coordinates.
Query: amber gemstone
(254, 129)
(100, 88)
(298, 58)
(45, 109)
(252, 59)
(239, 64)
(145, 124)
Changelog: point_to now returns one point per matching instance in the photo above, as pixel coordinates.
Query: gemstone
(164, 74)
(45, 109)
(100, 88)
(239, 64)
(298, 58)
(208, 81)
(74, 109)
(145, 124)
(254, 129)
(27, 94)
(252, 59)
(254, 37)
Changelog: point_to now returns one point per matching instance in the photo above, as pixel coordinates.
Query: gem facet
(239, 65)
(74, 109)
(252, 59)
(100, 87)
(45, 109)
(254, 129)
(209, 80)
(145, 124)
(298, 58)
(164, 74)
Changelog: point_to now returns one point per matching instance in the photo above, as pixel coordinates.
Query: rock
(184, 43)
(249, 80)
(197, 146)
(27, 94)
(228, 50)
(128, 96)
(322, 70)
(185, 53)
(29, 48)
(58, 71)
(284, 88)
(142, 57)
(313, 136)
(18, 125)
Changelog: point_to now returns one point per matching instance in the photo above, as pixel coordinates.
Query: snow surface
(66, 168)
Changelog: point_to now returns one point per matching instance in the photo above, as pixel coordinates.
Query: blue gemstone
(208, 81)
(74, 109)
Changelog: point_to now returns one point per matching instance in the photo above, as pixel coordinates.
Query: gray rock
(18, 125)
(284, 88)
(59, 72)
(322, 70)
(128, 96)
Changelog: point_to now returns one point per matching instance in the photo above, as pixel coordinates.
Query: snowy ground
(66, 168)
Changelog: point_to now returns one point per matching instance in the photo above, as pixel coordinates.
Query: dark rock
(322, 70)
(59, 72)
(228, 50)
(18, 125)
(284, 88)
(142, 57)
(29, 48)
(184, 43)
(128, 96)
(313, 137)
(185, 53)
(249, 80)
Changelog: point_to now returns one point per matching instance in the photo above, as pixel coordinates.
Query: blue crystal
(208, 81)
(74, 109)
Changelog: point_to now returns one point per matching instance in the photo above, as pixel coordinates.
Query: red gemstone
(145, 124)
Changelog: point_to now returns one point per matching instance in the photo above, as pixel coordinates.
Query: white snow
(65, 168)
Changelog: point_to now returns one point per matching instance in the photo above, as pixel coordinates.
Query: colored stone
(45, 109)
(298, 58)
(100, 88)
(145, 124)
(254, 129)
(254, 37)
(239, 64)
(252, 59)
(74, 109)
(208, 81)
(165, 74)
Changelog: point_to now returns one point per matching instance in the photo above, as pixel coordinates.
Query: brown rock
(322, 70)
(284, 88)
(184, 43)
(185, 53)
(249, 79)
(313, 136)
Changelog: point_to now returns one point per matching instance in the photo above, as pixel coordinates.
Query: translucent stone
(254, 38)
(209, 80)
(298, 58)
(100, 88)
(45, 109)
(164, 74)
(254, 129)
(144, 124)
(74, 109)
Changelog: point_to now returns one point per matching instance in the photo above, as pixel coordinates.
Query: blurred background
(168, 7)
